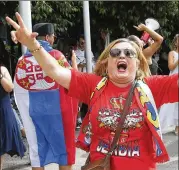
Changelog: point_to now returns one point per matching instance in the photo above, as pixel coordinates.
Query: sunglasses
(116, 52)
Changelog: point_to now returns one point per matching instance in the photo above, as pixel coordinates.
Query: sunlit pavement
(170, 140)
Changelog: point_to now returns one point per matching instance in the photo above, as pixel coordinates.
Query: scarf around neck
(147, 105)
(46, 45)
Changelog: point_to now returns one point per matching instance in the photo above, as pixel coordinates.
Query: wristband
(35, 50)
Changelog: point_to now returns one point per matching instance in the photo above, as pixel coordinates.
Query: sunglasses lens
(127, 53)
(115, 52)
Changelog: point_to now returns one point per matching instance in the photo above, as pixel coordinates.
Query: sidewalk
(170, 140)
(16, 163)
(81, 158)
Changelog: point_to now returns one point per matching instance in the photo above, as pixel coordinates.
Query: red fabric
(30, 79)
(159, 86)
(132, 164)
(162, 85)
(69, 110)
(135, 147)
(68, 106)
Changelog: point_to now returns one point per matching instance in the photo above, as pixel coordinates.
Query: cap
(43, 29)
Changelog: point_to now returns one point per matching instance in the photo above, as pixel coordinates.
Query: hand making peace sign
(22, 34)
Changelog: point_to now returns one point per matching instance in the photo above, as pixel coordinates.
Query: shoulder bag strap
(123, 117)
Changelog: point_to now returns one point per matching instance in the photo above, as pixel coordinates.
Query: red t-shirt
(135, 144)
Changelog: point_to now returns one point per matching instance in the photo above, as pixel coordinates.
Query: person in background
(152, 46)
(48, 113)
(80, 54)
(10, 138)
(21, 127)
(5, 58)
(163, 59)
(17, 116)
(121, 64)
(81, 63)
(100, 43)
(169, 112)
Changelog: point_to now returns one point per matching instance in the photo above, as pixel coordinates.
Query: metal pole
(107, 40)
(25, 12)
(86, 20)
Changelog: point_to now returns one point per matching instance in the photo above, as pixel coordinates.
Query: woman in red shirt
(140, 145)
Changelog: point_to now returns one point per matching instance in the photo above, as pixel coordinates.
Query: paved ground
(171, 142)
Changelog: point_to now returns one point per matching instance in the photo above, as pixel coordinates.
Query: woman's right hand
(22, 34)
(141, 27)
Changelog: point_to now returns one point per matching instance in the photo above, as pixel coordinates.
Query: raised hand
(22, 34)
(73, 57)
(140, 27)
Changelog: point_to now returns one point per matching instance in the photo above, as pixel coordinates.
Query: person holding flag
(48, 114)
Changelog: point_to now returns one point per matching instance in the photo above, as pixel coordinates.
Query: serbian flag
(48, 113)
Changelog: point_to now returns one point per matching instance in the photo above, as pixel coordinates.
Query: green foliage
(120, 16)
(116, 16)
(8, 8)
(61, 13)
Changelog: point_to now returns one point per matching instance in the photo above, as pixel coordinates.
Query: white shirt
(81, 59)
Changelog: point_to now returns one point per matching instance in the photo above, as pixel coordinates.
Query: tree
(61, 13)
(120, 16)
(116, 16)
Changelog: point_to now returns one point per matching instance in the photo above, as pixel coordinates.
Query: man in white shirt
(81, 63)
(80, 54)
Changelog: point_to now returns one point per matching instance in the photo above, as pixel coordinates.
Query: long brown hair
(101, 65)
(174, 42)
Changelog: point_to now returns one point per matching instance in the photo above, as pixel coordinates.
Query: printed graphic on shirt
(88, 133)
(131, 149)
(110, 117)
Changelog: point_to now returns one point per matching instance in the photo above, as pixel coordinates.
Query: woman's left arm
(158, 39)
(164, 88)
(6, 80)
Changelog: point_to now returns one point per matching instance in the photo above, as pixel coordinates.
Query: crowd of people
(50, 91)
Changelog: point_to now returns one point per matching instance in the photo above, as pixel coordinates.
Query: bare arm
(45, 60)
(158, 39)
(6, 80)
(51, 67)
(171, 63)
(73, 59)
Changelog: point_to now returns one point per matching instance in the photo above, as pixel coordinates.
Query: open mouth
(122, 66)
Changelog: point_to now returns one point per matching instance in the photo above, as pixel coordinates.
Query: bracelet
(35, 50)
